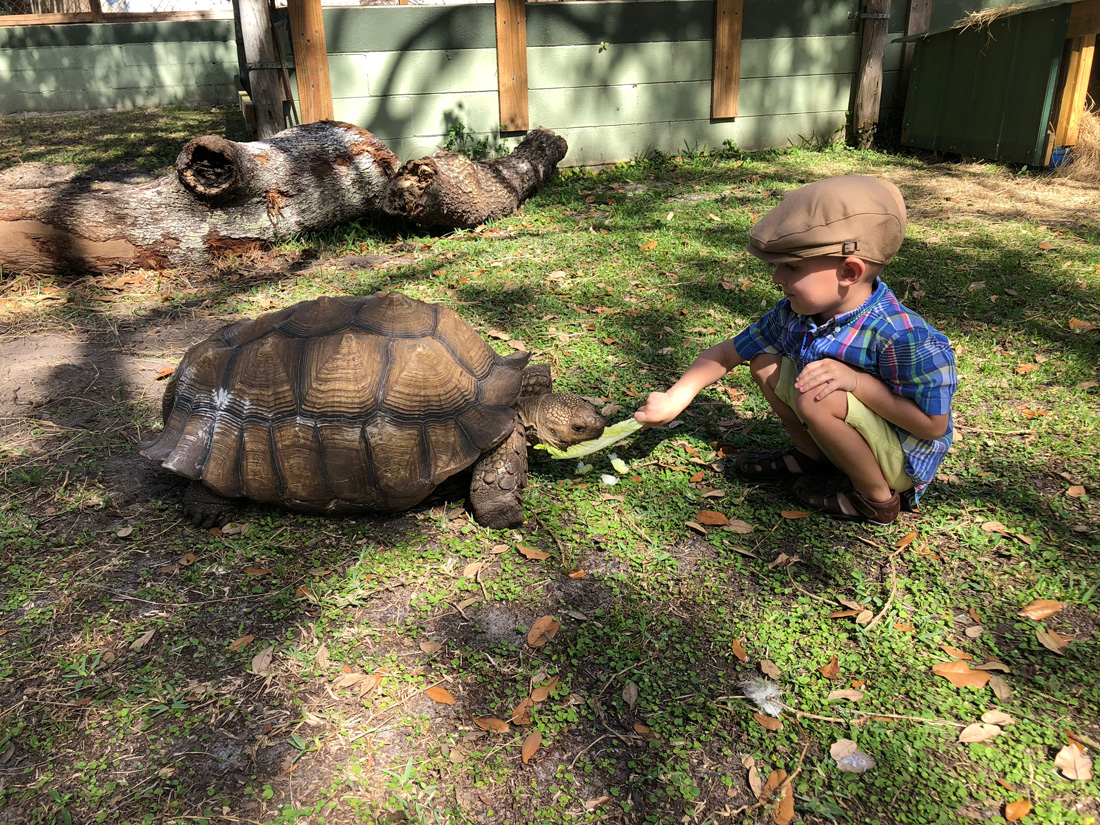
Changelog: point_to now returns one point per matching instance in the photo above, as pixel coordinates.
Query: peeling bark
(449, 189)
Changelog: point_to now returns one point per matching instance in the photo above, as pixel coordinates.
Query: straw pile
(985, 17)
(1084, 157)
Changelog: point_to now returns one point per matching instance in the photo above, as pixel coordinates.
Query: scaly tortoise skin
(365, 404)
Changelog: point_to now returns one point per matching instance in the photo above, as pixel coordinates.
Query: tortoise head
(559, 419)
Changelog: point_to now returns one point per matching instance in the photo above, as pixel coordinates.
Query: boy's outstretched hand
(659, 408)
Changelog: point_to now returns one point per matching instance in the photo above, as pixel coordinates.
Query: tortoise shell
(338, 405)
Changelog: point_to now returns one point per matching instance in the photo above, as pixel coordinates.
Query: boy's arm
(828, 375)
(710, 366)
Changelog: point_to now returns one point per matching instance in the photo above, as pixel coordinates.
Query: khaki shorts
(876, 431)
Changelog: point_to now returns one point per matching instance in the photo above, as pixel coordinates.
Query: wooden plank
(16, 20)
(511, 25)
(1084, 19)
(868, 91)
(264, 76)
(307, 39)
(1074, 94)
(728, 18)
(918, 18)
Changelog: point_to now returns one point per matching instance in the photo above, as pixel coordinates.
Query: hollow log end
(207, 166)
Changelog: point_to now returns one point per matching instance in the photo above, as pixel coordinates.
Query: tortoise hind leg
(500, 476)
(204, 508)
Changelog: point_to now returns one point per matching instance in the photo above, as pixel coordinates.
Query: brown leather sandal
(837, 497)
(790, 463)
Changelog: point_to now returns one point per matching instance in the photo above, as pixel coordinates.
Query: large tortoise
(366, 404)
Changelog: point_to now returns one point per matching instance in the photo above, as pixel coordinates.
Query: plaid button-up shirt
(883, 339)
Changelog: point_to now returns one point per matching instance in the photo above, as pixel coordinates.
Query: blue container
(1060, 156)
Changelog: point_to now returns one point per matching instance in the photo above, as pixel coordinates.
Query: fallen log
(449, 189)
(224, 197)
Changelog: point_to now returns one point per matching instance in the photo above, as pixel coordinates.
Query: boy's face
(820, 287)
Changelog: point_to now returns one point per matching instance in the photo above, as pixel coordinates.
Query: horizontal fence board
(91, 99)
(441, 72)
(408, 28)
(404, 116)
(111, 34)
(95, 58)
(575, 66)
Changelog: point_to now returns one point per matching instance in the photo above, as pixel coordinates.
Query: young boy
(862, 384)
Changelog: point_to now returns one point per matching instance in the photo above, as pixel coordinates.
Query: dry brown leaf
(261, 662)
(522, 714)
(993, 664)
(960, 675)
(864, 617)
(843, 614)
(831, 670)
(904, 628)
(756, 784)
(739, 526)
(1015, 811)
(124, 532)
(1054, 642)
(577, 574)
(739, 651)
(630, 694)
(768, 668)
(1024, 369)
(699, 476)
(532, 553)
(431, 647)
(998, 717)
(1041, 609)
(905, 541)
(348, 679)
(440, 695)
(473, 568)
(164, 373)
(597, 802)
(142, 640)
(187, 559)
(696, 526)
(1076, 491)
(793, 514)
(543, 630)
(979, 732)
(1000, 687)
(530, 745)
(996, 527)
(771, 723)
(241, 642)
(644, 730)
(850, 604)
(1074, 763)
(851, 695)
(711, 518)
(1082, 326)
(956, 652)
(491, 724)
(974, 631)
(253, 571)
(973, 614)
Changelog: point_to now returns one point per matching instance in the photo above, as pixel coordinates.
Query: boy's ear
(851, 271)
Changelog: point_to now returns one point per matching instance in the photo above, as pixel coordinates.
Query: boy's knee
(765, 369)
(832, 406)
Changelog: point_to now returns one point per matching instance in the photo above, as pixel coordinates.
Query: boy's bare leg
(765, 371)
(825, 419)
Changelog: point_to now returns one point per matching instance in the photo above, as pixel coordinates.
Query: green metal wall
(79, 67)
(987, 93)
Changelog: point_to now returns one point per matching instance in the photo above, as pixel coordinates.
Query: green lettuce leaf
(611, 435)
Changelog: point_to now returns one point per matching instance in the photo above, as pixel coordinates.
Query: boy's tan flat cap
(850, 215)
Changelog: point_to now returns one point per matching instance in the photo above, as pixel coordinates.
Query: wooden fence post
(511, 20)
(917, 21)
(1071, 107)
(264, 67)
(725, 85)
(868, 91)
(307, 37)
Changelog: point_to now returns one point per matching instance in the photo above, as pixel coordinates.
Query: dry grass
(986, 17)
(1084, 159)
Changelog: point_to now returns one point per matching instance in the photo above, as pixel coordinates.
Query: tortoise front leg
(205, 508)
(496, 489)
